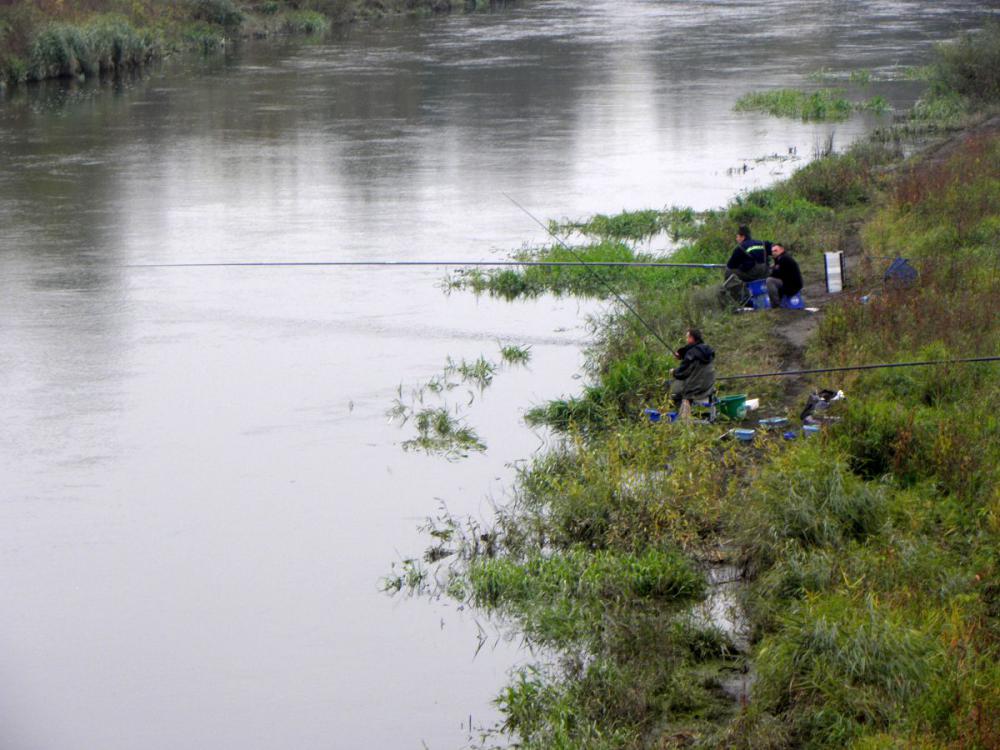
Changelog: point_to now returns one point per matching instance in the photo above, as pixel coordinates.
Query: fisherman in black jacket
(748, 262)
(785, 279)
(694, 377)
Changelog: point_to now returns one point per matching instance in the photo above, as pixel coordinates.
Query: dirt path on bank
(795, 328)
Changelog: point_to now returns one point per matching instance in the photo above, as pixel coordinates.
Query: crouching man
(694, 377)
(785, 279)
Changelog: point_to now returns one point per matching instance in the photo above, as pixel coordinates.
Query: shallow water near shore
(199, 488)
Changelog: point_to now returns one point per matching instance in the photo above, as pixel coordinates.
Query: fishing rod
(429, 263)
(586, 265)
(580, 262)
(785, 373)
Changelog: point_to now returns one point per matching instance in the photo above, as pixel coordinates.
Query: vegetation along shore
(836, 591)
(42, 39)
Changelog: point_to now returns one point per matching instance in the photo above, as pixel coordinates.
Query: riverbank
(867, 614)
(83, 38)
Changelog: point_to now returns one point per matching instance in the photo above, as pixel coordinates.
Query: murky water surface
(199, 489)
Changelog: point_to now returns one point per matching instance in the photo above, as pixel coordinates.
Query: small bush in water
(306, 22)
(221, 12)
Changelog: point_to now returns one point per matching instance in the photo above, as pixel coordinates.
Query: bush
(203, 37)
(840, 668)
(562, 598)
(970, 66)
(835, 181)
(219, 12)
(306, 22)
(60, 50)
(807, 498)
(115, 44)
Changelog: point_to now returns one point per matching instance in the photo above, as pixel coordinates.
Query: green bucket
(733, 407)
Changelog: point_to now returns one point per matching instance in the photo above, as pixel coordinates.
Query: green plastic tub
(733, 407)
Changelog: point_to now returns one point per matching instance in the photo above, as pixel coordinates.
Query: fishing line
(439, 263)
(927, 363)
(592, 272)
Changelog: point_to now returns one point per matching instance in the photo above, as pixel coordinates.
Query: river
(200, 490)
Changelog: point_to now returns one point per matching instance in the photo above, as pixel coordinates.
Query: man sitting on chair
(694, 377)
(785, 279)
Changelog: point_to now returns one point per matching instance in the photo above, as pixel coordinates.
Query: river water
(199, 487)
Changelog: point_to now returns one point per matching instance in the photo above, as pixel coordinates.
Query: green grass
(824, 104)
(512, 354)
(439, 432)
(306, 22)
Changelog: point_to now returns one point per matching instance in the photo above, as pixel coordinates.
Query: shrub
(219, 12)
(836, 181)
(203, 37)
(115, 44)
(840, 668)
(561, 598)
(60, 50)
(808, 498)
(970, 67)
(306, 22)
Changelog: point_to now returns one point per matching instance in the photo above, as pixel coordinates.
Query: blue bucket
(795, 302)
(758, 294)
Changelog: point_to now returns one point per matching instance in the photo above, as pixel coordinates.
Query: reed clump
(106, 44)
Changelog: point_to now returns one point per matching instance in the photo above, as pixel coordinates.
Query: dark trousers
(774, 291)
(734, 281)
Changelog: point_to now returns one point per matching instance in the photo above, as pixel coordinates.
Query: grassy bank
(868, 555)
(42, 39)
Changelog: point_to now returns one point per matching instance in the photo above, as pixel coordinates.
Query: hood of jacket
(700, 352)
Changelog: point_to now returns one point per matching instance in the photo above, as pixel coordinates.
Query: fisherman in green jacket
(694, 377)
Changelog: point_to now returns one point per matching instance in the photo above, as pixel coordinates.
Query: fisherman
(694, 377)
(747, 263)
(785, 279)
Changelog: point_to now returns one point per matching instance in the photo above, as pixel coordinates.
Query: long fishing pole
(786, 373)
(586, 265)
(437, 263)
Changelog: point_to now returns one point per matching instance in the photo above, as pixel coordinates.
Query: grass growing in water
(440, 429)
(512, 354)
(824, 104)
(440, 432)
(107, 44)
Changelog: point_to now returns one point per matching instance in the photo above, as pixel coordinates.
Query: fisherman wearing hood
(694, 377)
